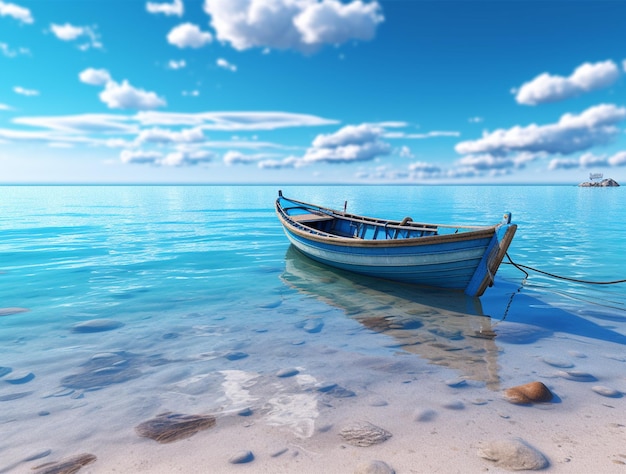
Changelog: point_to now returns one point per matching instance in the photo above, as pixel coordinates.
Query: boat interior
(358, 227)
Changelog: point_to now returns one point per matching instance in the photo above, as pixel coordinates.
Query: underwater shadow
(530, 311)
(446, 328)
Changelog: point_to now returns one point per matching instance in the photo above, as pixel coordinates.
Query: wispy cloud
(175, 8)
(233, 157)
(68, 32)
(12, 53)
(17, 12)
(589, 160)
(120, 96)
(226, 65)
(172, 64)
(161, 139)
(188, 35)
(178, 158)
(288, 24)
(27, 92)
(572, 133)
(585, 78)
(5, 107)
(233, 121)
(421, 136)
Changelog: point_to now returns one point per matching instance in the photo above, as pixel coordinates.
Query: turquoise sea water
(118, 303)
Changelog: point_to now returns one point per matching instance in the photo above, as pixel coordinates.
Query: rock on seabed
(533, 392)
(374, 467)
(169, 427)
(67, 465)
(362, 433)
(513, 454)
(96, 325)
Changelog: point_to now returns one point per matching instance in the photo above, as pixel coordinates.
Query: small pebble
(561, 363)
(606, 391)
(424, 414)
(245, 412)
(453, 405)
(96, 325)
(313, 325)
(577, 354)
(378, 402)
(284, 373)
(374, 467)
(279, 452)
(235, 355)
(576, 375)
(21, 377)
(241, 457)
(479, 401)
(327, 387)
(513, 455)
(456, 383)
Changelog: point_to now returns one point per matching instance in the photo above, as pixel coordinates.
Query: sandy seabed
(292, 423)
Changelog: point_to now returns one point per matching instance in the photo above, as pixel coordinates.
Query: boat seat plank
(305, 218)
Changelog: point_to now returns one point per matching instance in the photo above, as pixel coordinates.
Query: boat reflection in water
(447, 328)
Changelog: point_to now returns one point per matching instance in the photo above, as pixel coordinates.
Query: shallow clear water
(204, 303)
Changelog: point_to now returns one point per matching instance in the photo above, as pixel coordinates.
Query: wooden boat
(458, 257)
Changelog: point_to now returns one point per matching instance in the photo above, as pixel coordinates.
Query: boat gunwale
(474, 232)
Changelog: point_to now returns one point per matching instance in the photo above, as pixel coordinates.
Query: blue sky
(312, 91)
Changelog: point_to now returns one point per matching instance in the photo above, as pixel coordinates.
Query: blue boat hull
(464, 261)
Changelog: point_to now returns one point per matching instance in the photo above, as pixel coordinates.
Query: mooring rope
(521, 268)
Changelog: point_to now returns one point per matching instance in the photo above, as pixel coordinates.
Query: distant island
(605, 183)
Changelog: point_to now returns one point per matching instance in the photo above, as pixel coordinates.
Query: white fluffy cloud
(95, 77)
(572, 133)
(352, 143)
(120, 96)
(175, 8)
(587, 77)
(618, 159)
(125, 96)
(303, 25)
(188, 35)
(68, 32)
(15, 11)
